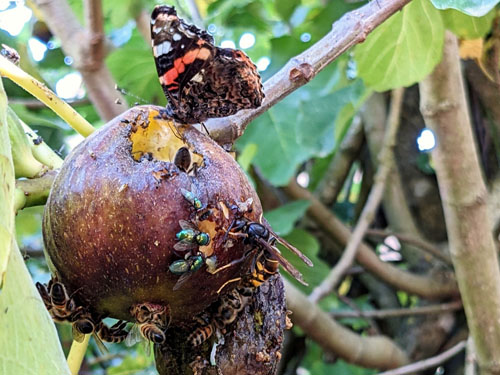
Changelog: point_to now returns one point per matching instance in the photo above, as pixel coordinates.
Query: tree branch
(77, 42)
(464, 197)
(95, 29)
(423, 286)
(372, 351)
(418, 242)
(427, 363)
(339, 167)
(348, 31)
(377, 190)
(391, 313)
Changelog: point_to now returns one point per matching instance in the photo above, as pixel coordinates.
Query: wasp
(190, 237)
(262, 237)
(192, 263)
(151, 322)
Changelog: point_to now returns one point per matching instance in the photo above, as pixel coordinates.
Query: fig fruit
(131, 203)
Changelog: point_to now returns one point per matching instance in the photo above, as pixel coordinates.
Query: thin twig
(348, 31)
(470, 358)
(341, 164)
(376, 193)
(407, 238)
(424, 286)
(358, 313)
(392, 313)
(427, 363)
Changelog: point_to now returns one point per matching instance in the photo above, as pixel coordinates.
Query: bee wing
(185, 245)
(147, 347)
(283, 262)
(184, 277)
(134, 336)
(100, 344)
(292, 248)
(187, 225)
(77, 335)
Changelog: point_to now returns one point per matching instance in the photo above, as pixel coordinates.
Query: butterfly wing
(200, 80)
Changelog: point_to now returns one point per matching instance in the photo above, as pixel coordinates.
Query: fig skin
(110, 221)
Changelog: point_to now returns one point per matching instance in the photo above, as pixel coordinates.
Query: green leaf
(29, 342)
(136, 75)
(404, 49)
(475, 8)
(274, 134)
(309, 246)
(285, 8)
(7, 188)
(315, 363)
(283, 218)
(302, 126)
(467, 27)
(246, 156)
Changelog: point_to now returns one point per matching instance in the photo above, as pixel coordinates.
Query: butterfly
(200, 80)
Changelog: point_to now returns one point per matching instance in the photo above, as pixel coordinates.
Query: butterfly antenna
(126, 93)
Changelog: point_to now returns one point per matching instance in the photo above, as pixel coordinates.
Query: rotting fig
(112, 221)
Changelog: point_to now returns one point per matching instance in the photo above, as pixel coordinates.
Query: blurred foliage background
(296, 139)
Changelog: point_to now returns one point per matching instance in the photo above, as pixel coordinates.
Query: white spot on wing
(177, 37)
(157, 29)
(197, 78)
(164, 47)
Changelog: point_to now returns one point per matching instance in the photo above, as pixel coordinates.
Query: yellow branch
(45, 95)
(76, 354)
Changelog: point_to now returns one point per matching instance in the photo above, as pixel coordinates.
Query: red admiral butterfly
(199, 79)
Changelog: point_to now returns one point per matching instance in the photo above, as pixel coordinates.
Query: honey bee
(224, 313)
(202, 333)
(151, 322)
(61, 306)
(115, 334)
(85, 324)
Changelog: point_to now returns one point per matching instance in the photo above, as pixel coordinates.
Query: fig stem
(41, 150)
(34, 191)
(45, 95)
(76, 354)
